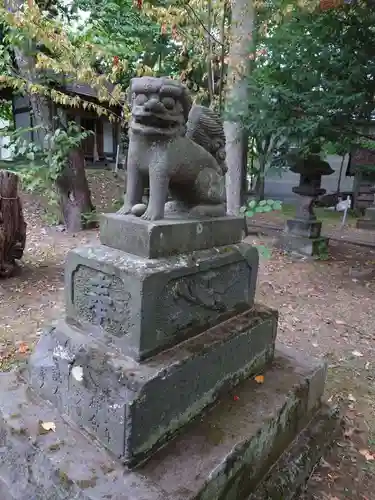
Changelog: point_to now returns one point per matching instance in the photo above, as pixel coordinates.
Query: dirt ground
(327, 309)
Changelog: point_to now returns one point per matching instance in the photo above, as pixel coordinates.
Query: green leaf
(271, 202)
(262, 203)
(252, 204)
(242, 210)
(259, 209)
(267, 208)
(249, 213)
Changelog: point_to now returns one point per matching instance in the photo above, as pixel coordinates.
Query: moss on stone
(56, 446)
(64, 478)
(87, 483)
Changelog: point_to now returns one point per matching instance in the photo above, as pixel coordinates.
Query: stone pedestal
(147, 386)
(303, 237)
(368, 221)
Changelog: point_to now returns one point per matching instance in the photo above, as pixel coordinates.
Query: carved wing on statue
(205, 127)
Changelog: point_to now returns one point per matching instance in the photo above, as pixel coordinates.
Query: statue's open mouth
(155, 121)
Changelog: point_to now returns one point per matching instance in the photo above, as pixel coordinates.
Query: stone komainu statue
(175, 147)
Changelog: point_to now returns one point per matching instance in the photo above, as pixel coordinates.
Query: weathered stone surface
(308, 247)
(226, 455)
(133, 408)
(368, 221)
(60, 465)
(370, 213)
(304, 228)
(364, 223)
(144, 305)
(169, 236)
(289, 475)
(237, 443)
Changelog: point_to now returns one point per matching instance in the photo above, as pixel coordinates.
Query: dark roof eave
(82, 90)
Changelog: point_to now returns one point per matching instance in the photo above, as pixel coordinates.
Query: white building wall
(5, 154)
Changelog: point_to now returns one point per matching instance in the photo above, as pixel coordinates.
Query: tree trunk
(238, 71)
(261, 180)
(73, 185)
(12, 224)
(236, 148)
(76, 205)
(210, 80)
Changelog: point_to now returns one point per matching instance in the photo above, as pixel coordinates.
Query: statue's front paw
(151, 215)
(125, 210)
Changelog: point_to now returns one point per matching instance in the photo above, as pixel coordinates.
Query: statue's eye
(168, 102)
(140, 99)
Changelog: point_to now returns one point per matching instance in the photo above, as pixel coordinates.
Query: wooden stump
(12, 224)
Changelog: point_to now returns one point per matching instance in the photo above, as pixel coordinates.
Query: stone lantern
(363, 167)
(302, 233)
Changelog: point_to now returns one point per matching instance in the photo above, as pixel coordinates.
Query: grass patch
(13, 164)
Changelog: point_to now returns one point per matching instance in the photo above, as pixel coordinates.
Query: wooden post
(12, 224)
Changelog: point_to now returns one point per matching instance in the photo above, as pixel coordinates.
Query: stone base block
(134, 408)
(307, 247)
(261, 441)
(368, 224)
(368, 221)
(144, 305)
(170, 236)
(303, 228)
(370, 213)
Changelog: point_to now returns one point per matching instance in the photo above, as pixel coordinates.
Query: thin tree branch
(187, 8)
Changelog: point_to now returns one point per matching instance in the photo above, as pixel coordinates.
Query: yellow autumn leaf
(259, 379)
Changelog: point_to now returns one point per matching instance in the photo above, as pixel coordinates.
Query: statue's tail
(205, 127)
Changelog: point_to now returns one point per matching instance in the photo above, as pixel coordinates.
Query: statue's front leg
(159, 182)
(134, 190)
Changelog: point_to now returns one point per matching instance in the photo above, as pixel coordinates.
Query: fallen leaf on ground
(48, 426)
(23, 348)
(367, 454)
(357, 354)
(259, 379)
